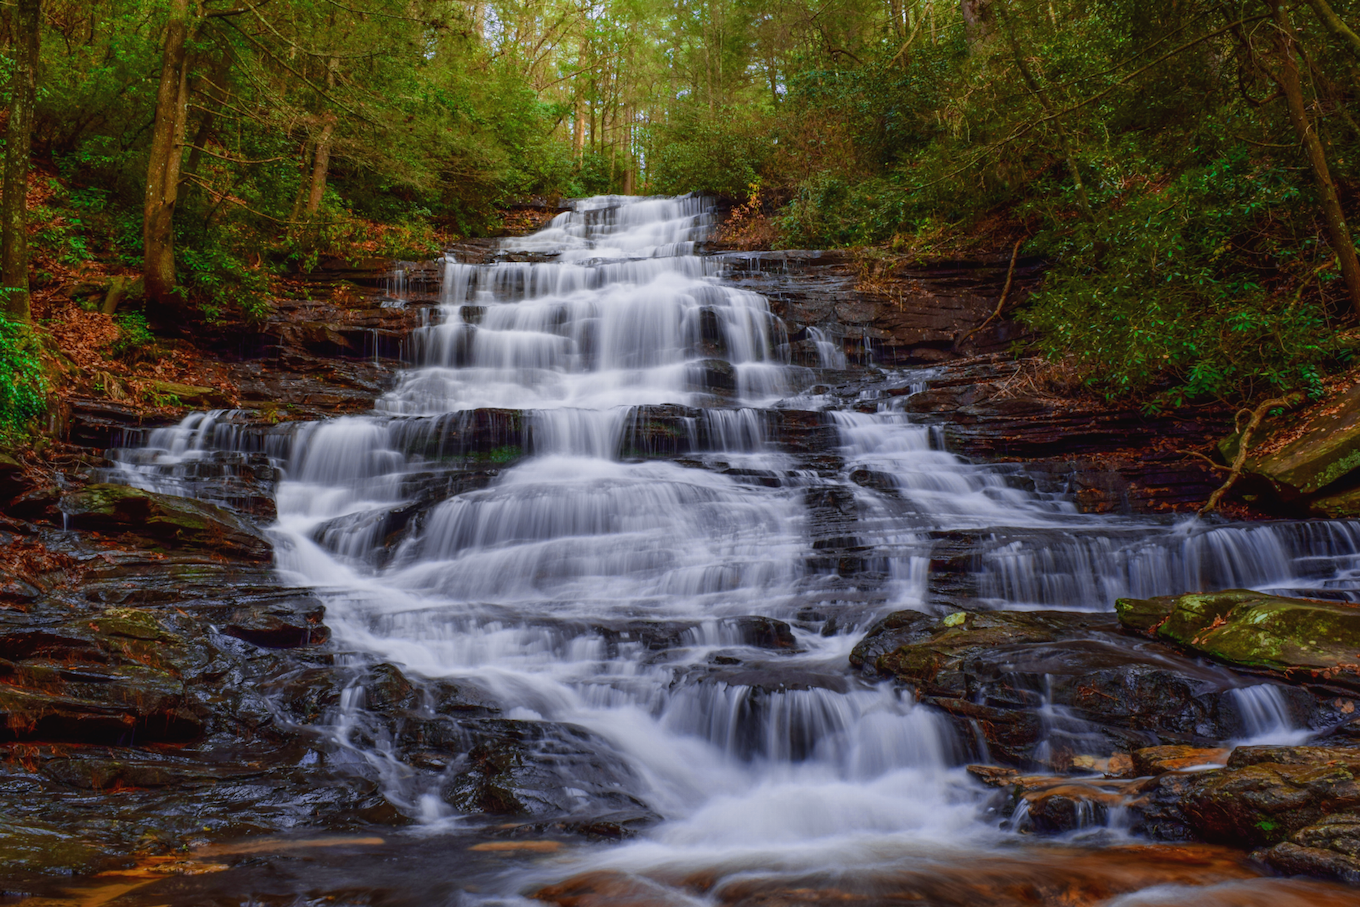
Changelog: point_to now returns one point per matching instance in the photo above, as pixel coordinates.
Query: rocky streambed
(654, 577)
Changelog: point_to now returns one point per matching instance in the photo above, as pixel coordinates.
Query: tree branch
(1257, 414)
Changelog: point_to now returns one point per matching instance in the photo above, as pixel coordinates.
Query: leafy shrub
(135, 339)
(1177, 297)
(723, 159)
(220, 282)
(23, 385)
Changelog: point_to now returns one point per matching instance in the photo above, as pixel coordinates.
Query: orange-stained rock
(609, 888)
(1155, 760)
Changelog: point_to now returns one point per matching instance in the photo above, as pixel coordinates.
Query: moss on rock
(1253, 629)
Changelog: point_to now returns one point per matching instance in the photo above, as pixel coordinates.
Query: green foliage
(220, 281)
(23, 384)
(135, 339)
(1179, 296)
(829, 210)
(705, 156)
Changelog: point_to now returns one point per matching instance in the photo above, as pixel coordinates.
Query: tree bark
(18, 139)
(163, 168)
(321, 163)
(979, 21)
(320, 166)
(1338, 233)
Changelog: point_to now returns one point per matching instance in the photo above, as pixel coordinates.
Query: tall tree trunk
(1338, 233)
(18, 137)
(321, 163)
(578, 141)
(979, 21)
(320, 166)
(163, 169)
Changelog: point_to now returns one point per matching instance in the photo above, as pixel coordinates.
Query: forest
(1187, 169)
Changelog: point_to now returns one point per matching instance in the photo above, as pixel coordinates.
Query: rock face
(1046, 688)
(1322, 450)
(1266, 794)
(172, 522)
(1298, 637)
(902, 314)
(1110, 459)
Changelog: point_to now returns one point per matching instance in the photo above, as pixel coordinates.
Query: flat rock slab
(997, 674)
(1324, 450)
(165, 520)
(1300, 638)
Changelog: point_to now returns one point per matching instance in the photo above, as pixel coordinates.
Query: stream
(605, 519)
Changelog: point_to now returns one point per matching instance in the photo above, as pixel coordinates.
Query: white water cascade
(549, 371)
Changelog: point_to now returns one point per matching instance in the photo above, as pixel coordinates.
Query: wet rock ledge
(1082, 715)
(161, 689)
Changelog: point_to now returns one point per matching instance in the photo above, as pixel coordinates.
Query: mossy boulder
(1252, 629)
(1329, 849)
(1324, 449)
(1344, 505)
(165, 521)
(177, 394)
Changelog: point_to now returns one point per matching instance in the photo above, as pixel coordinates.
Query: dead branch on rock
(1005, 291)
(1253, 423)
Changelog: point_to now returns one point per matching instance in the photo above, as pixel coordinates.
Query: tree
(18, 138)
(1286, 75)
(163, 165)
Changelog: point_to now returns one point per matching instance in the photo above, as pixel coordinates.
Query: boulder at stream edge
(1300, 638)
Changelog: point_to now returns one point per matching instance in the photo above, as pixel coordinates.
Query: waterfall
(583, 484)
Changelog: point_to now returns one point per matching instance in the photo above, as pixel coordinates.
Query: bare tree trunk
(18, 138)
(320, 167)
(163, 169)
(979, 21)
(322, 162)
(1338, 233)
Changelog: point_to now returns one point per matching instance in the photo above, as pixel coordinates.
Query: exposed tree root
(1005, 291)
(1253, 423)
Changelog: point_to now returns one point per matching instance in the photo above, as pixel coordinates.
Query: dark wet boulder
(1266, 794)
(1329, 849)
(766, 633)
(1296, 637)
(287, 624)
(659, 431)
(527, 768)
(1069, 806)
(715, 376)
(386, 689)
(164, 520)
(1052, 688)
(13, 478)
(117, 679)
(931, 654)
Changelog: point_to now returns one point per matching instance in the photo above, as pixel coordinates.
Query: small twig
(1208, 461)
(1005, 291)
(1257, 414)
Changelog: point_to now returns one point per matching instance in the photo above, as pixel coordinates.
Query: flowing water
(634, 507)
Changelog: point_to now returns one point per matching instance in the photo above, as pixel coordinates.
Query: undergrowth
(23, 384)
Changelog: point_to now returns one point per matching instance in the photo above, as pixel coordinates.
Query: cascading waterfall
(567, 373)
